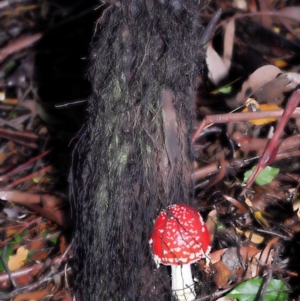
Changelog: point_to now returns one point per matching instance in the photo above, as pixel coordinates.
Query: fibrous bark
(134, 156)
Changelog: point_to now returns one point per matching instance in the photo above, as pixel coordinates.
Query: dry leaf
(240, 4)
(211, 223)
(248, 252)
(40, 255)
(11, 232)
(256, 80)
(216, 255)
(217, 70)
(264, 107)
(280, 63)
(296, 207)
(222, 276)
(255, 238)
(274, 91)
(242, 207)
(260, 216)
(218, 67)
(24, 279)
(228, 43)
(266, 255)
(17, 260)
(5, 155)
(62, 244)
(56, 215)
(32, 296)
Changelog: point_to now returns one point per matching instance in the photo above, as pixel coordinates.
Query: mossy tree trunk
(134, 152)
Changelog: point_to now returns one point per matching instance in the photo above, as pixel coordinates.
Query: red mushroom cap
(180, 236)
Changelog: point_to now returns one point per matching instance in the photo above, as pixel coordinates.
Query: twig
(24, 165)
(20, 137)
(214, 296)
(18, 44)
(38, 173)
(239, 117)
(272, 147)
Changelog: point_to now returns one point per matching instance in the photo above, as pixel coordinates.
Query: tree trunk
(134, 155)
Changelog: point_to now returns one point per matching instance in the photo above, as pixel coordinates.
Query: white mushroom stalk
(179, 238)
(183, 283)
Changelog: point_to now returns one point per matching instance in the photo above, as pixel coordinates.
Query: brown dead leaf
(40, 255)
(4, 156)
(220, 175)
(266, 256)
(24, 280)
(16, 261)
(36, 244)
(32, 296)
(222, 276)
(62, 295)
(257, 79)
(274, 91)
(14, 231)
(242, 207)
(211, 223)
(232, 259)
(62, 244)
(248, 252)
(216, 255)
(58, 216)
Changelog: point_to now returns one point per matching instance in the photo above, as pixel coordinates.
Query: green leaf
(9, 251)
(53, 240)
(247, 291)
(18, 238)
(45, 233)
(224, 90)
(10, 66)
(265, 177)
(219, 225)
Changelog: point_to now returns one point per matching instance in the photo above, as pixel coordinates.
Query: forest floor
(246, 145)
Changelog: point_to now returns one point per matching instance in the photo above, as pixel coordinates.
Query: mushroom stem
(182, 282)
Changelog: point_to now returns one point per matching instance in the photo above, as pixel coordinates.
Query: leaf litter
(35, 245)
(239, 135)
(255, 231)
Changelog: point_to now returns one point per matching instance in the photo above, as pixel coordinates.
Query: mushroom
(179, 238)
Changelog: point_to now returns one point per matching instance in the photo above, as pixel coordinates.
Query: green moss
(117, 92)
